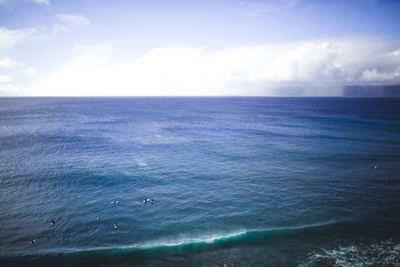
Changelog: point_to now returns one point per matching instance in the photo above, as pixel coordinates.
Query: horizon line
(197, 96)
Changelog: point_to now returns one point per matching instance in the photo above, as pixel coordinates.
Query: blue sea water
(235, 181)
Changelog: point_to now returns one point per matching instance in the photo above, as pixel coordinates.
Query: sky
(200, 48)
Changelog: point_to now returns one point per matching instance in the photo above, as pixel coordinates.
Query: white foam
(207, 239)
(375, 254)
(141, 163)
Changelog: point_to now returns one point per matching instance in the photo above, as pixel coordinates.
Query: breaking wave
(214, 239)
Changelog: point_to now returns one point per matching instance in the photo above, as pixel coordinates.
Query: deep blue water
(236, 181)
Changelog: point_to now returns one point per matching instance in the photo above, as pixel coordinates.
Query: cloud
(44, 2)
(314, 67)
(10, 73)
(69, 22)
(30, 71)
(10, 38)
(9, 2)
(11, 89)
(255, 8)
(381, 76)
(5, 79)
(16, 76)
(7, 63)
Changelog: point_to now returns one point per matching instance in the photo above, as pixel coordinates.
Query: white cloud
(315, 67)
(68, 22)
(11, 89)
(10, 65)
(30, 71)
(381, 76)
(8, 2)
(11, 72)
(10, 38)
(255, 8)
(5, 79)
(44, 2)
(7, 63)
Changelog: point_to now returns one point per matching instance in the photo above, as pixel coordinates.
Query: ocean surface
(235, 181)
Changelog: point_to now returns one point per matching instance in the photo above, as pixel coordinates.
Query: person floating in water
(52, 222)
(148, 200)
(115, 226)
(98, 218)
(114, 202)
(32, 241)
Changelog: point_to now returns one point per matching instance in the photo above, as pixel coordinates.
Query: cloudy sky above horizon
(199, 48)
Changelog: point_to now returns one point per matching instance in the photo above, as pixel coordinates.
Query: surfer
(52, 222)
(148, 200)
(115, 226)
(32, 241)
(114, 202)
(98, 218)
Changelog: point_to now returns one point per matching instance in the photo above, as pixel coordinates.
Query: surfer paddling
(115, 202)
(148, 200)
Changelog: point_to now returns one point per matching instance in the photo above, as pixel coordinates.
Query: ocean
(240, 181)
